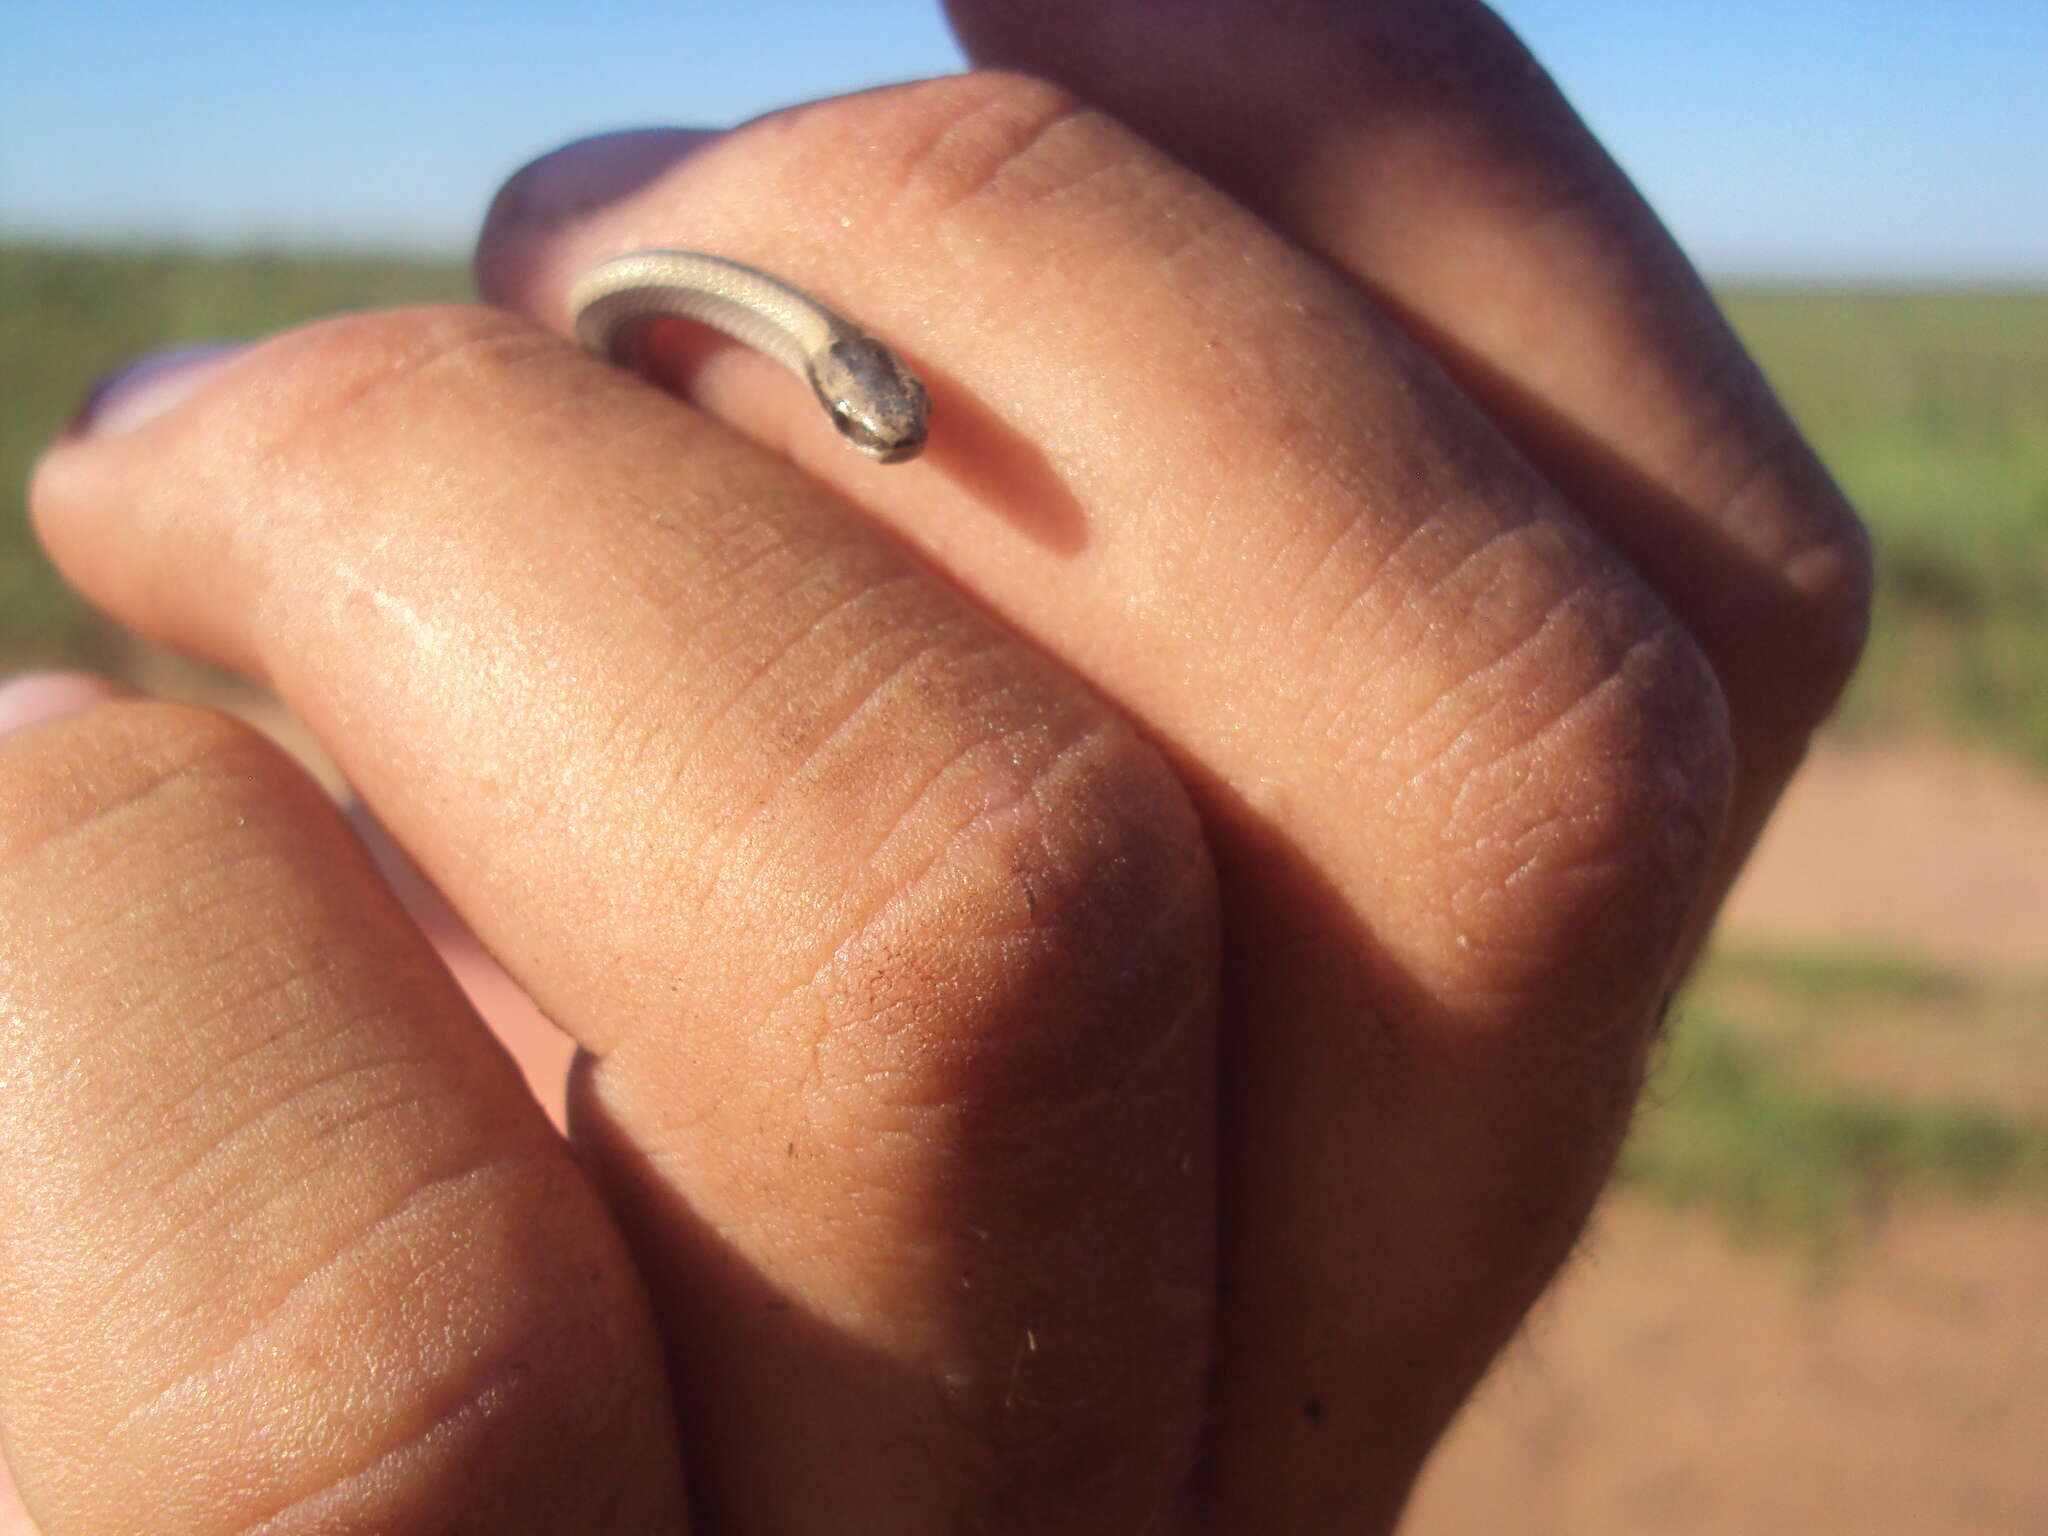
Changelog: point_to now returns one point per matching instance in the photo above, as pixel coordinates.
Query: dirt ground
(1675, 1383)
(1932, 852)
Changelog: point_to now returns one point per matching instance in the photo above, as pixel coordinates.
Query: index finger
(1420, 147)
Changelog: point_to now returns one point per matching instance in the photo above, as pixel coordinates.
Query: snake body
(876, 403)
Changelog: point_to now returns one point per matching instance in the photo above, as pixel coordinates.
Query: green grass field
(1800, 1095)
(1931, 407)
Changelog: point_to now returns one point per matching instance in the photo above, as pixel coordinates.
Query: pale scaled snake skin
(876, 403)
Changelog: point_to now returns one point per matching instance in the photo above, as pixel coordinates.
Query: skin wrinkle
(472, 344)
(1338, 476)
(1680, 464)
(1517, 523)
(276, 1306)
(1559, 620)
(597, 1508)
(257, 1203)
(219, 748)
(194, 778)
(698, 758)
(1604, 826)
(109, 948)
(333, 1030)
(1340, 543)
(1005, 133)
(950, 192)
(853, 690)
(470, 1389)
(1001, 1031)
(1735, 634)
(1618, 675)
(1488, 580)
(902, 890)
(745, 616)
(1653, 650)
(343, 1492)
(732, 549)
(287, 982)
(857, 716)
(479, 1396)
(856, 595)
(1029, 790)
(1275, 433)
(1366, 587)
(1181, 229)
(1390, 743)
(742, 613)
(1519, 566)
(1178, 1025)
(754, 525)
(869, 1078)
(284, 1045)
(993, 747)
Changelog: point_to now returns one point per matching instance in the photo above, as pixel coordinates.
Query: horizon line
(1743, 273)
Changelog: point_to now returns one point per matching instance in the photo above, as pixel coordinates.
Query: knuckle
(1451, 94)
(1806, 634)
(515, 1342)
(119, 831)
(383, 361)
(523, 1339)
(1832, 581)
(1011, 138)
(1056, 944)
(1454, 68)
(126, 762)
(942, 146)
(1586, 813)
(1449, 58)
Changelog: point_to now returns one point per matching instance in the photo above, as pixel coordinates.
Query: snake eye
(854, 426)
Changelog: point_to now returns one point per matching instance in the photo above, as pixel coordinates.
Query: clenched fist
(1109, 963)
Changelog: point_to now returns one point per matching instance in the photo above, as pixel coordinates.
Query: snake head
(876, 403)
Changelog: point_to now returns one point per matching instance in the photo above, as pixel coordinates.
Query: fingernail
(35, 697)
(138, 392)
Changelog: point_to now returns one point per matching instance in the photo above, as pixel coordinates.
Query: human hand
(1112, 961)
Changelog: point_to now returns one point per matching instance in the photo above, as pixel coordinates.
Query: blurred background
(1815, 1299)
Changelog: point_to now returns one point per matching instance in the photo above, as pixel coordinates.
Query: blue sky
(1881, 140)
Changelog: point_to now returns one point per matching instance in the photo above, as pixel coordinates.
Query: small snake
(876, 403)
